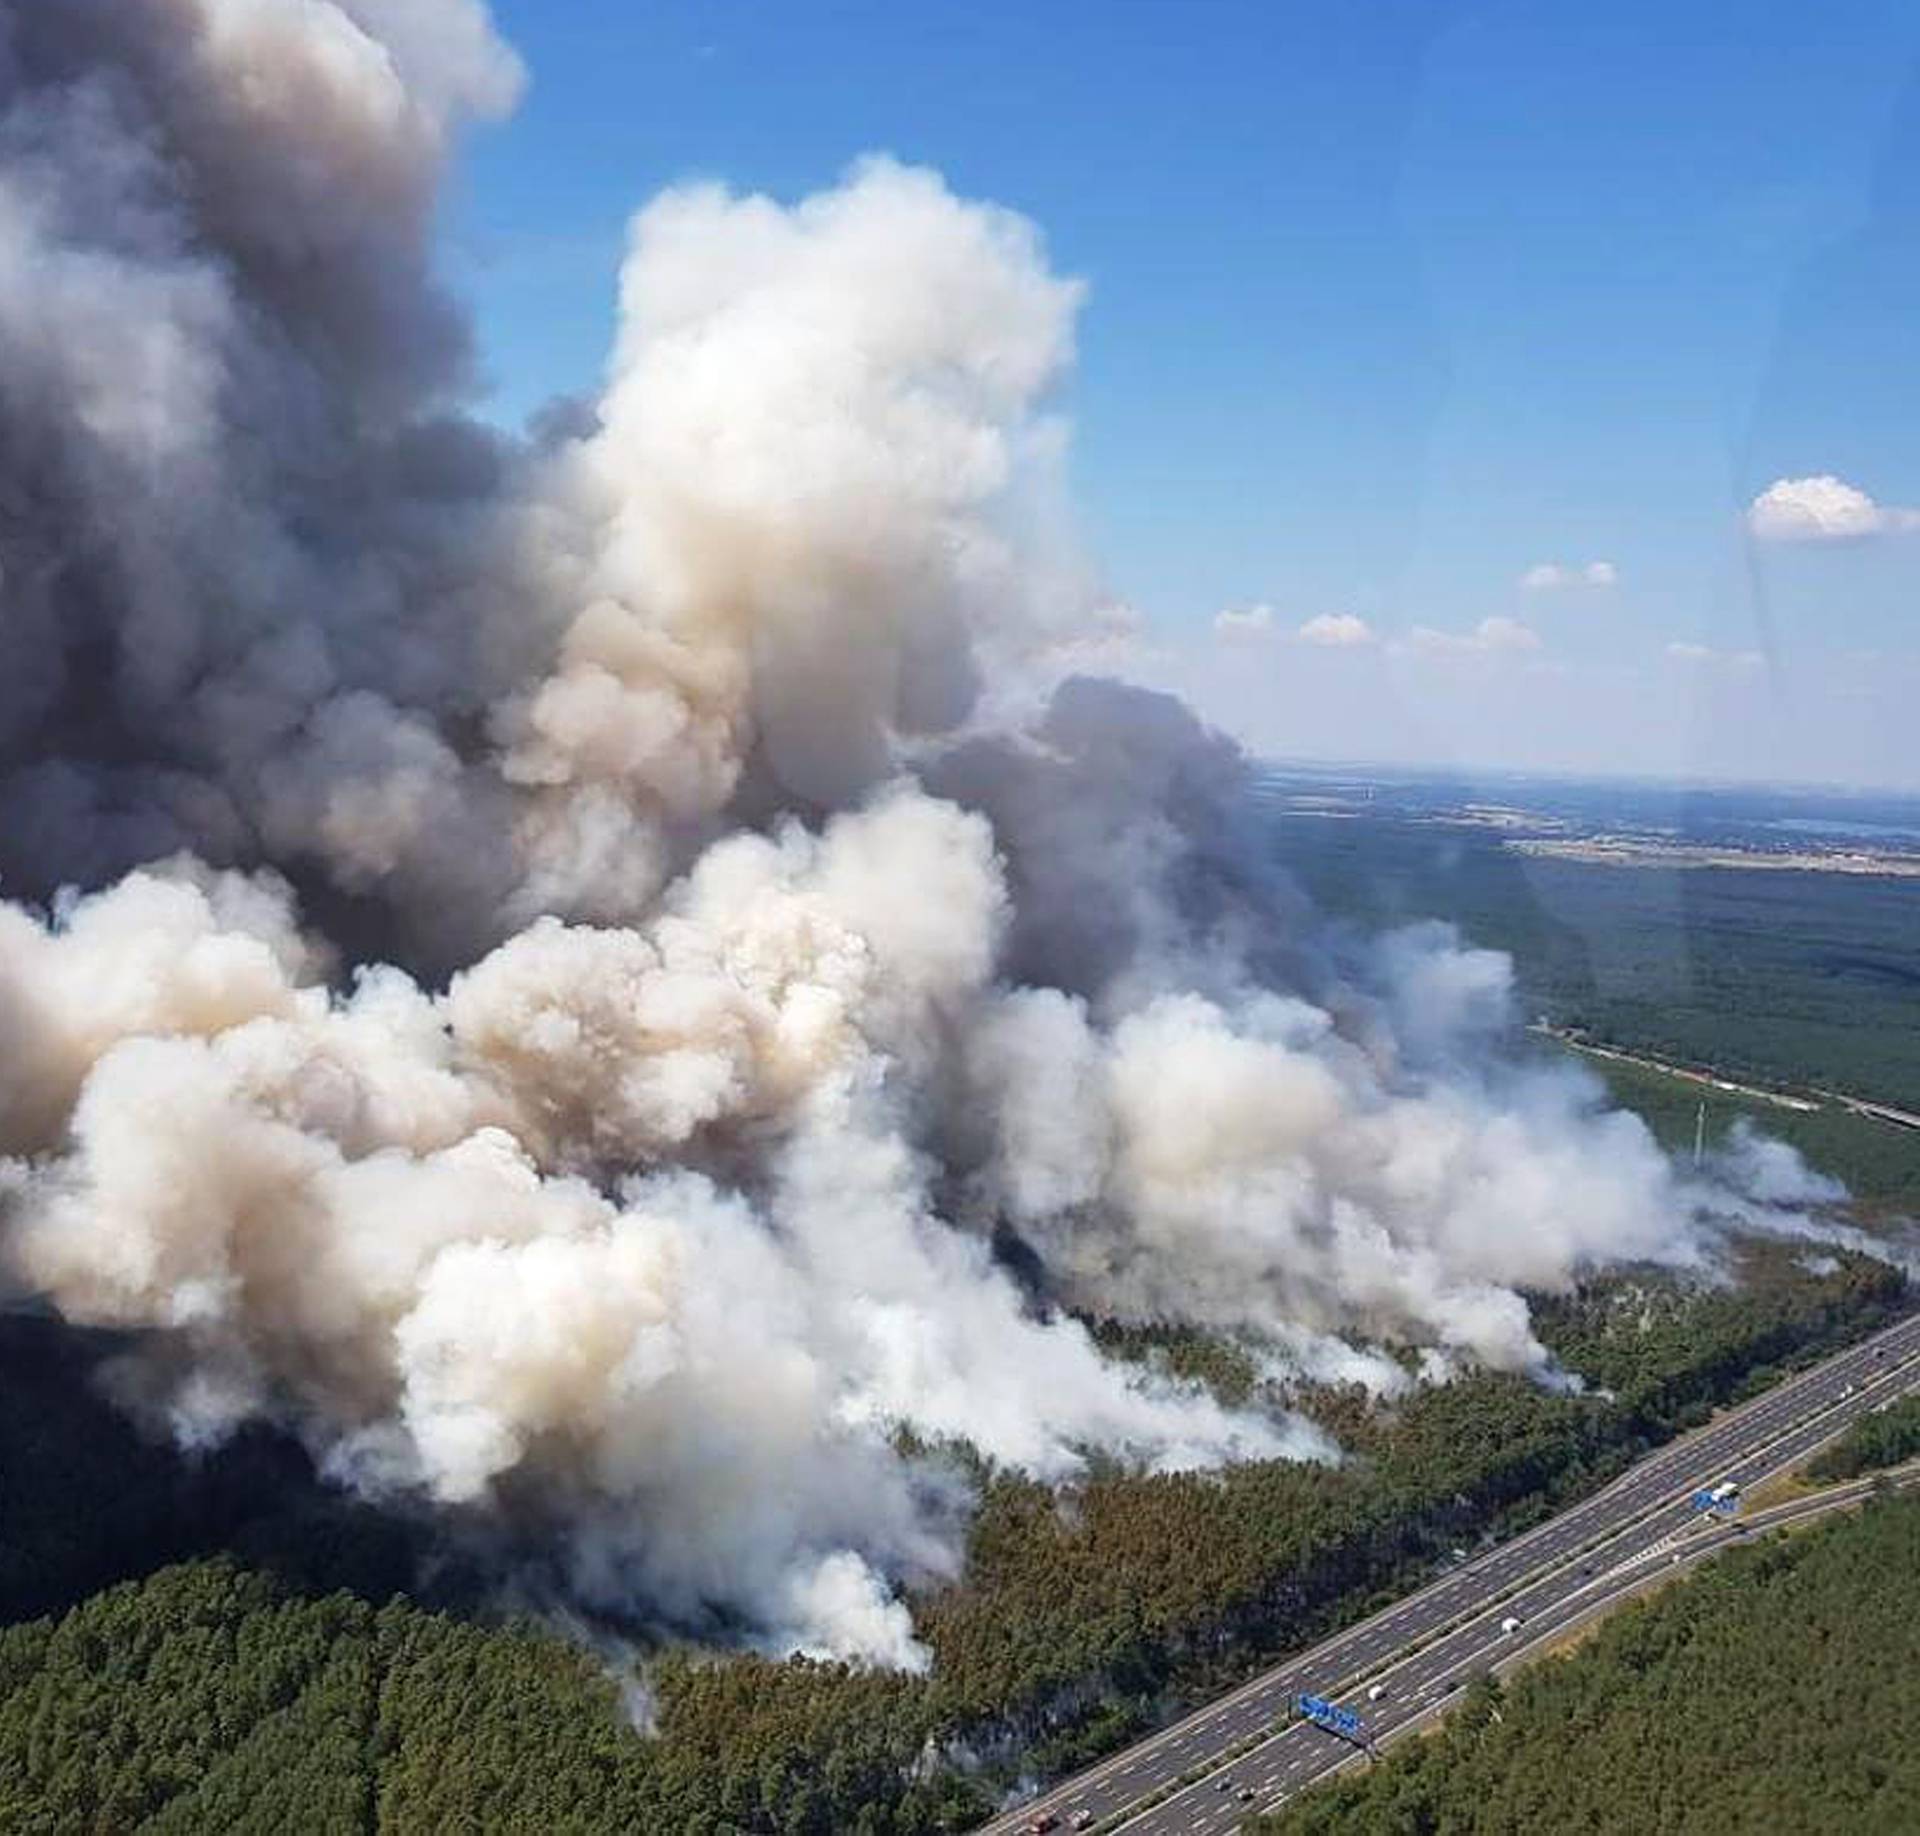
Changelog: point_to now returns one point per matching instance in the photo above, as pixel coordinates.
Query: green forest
(291, 1644)
(1802, 979)
(1776, 1690)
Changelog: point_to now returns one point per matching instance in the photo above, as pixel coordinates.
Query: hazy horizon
(1472, 772)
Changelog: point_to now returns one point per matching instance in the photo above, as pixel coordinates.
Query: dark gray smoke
(252, 555)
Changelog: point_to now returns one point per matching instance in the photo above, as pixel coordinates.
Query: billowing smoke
(576, 989)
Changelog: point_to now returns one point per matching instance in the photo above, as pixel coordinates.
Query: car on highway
(1082, 1820)
(1040, 1825)
(1511, 1624)
(1378, 1691)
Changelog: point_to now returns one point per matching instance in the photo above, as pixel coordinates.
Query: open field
(1776, 976)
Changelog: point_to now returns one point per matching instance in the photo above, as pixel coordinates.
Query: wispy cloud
(1336, 631)
(1558, 576)
(1554, 577)
(1705, 656)
(1824, 509)
(1492, 636)
(1254, 621)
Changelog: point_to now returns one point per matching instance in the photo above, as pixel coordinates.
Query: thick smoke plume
(574, 988)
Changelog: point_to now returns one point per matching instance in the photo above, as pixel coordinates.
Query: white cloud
(1243, 622)
(1499, 633)
(1555, 576)
(1335, 631)
(1823, 509)
(1491, 635)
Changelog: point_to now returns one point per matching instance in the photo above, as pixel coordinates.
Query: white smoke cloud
(768, 949)
(366, 1208)
(804, 487)
(1302, 1177)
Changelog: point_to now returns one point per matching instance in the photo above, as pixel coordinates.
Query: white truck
(1725, 1492)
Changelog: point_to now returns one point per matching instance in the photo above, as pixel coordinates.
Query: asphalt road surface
(1424, 1647)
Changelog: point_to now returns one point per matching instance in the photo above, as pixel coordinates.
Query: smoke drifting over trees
(577, 955)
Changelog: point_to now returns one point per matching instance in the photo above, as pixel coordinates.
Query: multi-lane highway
(1245, 1752)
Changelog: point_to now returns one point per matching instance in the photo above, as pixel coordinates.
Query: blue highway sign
(1331, 1716)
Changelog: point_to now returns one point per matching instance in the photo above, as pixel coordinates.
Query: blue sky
(1391, 303)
